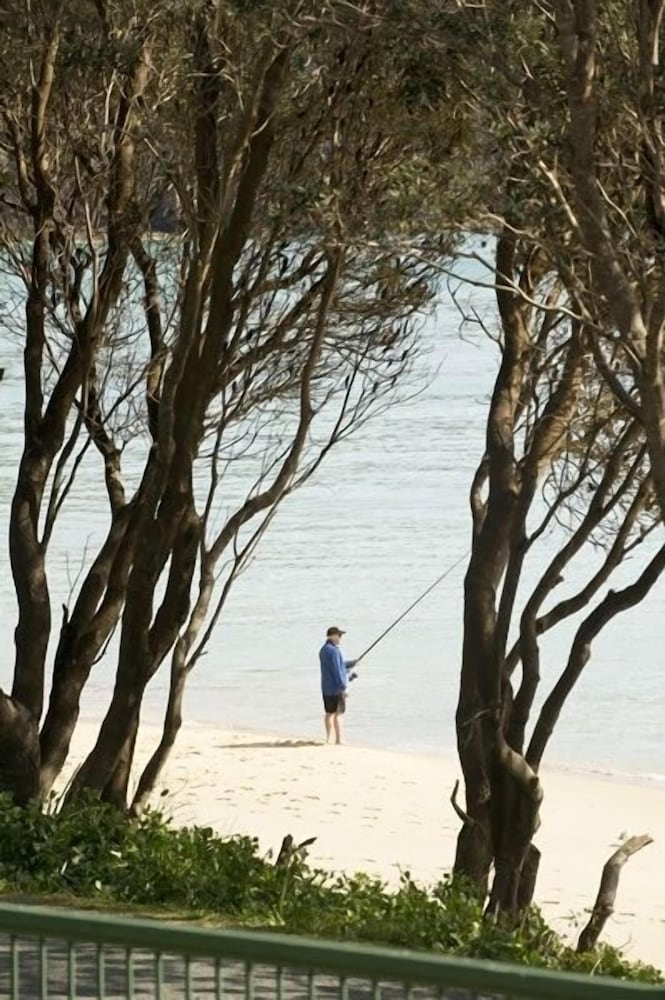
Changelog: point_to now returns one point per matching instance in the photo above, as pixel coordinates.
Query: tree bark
(43, 434)
(116, 790)
(528, 877)
(19, 751)
(82, 638)
(517, 796)
(473, 855)
(170, 730)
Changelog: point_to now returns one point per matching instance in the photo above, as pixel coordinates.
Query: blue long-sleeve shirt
(334, 669)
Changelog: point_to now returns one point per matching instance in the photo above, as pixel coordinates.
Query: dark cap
(333, 630)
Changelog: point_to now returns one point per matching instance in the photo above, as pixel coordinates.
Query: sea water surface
(386, 514)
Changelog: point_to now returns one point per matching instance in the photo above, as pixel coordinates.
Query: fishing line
(410, 608)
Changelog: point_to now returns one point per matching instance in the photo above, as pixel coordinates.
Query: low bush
(89, 850)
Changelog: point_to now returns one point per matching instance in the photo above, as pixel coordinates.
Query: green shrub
(446, 919)
(90, 850)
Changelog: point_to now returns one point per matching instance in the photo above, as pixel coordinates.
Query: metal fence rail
(51, 954)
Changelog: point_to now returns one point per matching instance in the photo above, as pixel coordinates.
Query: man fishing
(335, 677)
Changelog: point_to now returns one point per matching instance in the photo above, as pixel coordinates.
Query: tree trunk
(116, 789)
(513, 886)
(83, 636)
(478, 708)
(503, 792)
(97, 770)
(477, 717)
(19, 751)
(473, 855)
(528, 878)
(172, 724)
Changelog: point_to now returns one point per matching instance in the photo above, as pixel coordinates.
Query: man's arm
(341, 670)
(333, 667)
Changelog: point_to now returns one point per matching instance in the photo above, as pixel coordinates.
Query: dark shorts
(334, 704)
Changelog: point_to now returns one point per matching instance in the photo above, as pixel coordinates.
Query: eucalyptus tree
(565, 160)
(225, 356)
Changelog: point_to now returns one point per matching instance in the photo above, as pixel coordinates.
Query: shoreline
(386, 811)
(591, 770)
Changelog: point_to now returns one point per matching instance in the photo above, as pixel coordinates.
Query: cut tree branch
(603, 908)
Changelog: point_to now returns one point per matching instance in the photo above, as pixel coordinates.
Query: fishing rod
(410, 608)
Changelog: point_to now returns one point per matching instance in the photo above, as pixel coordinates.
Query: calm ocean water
(385, 516)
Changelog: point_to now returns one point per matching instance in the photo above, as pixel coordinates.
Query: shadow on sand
(271, 745)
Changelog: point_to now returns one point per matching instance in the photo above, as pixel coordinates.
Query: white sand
(379, 812)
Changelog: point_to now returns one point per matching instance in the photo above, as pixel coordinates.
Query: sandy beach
(382, 812)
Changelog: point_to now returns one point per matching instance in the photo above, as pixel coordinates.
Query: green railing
(58, 954)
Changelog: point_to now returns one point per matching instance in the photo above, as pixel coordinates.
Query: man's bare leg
(328, 720)
(339, 730)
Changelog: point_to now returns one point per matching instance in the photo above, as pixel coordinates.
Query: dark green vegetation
(90, 852)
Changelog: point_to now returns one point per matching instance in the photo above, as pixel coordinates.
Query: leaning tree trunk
(116, 790)
(170, 730)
